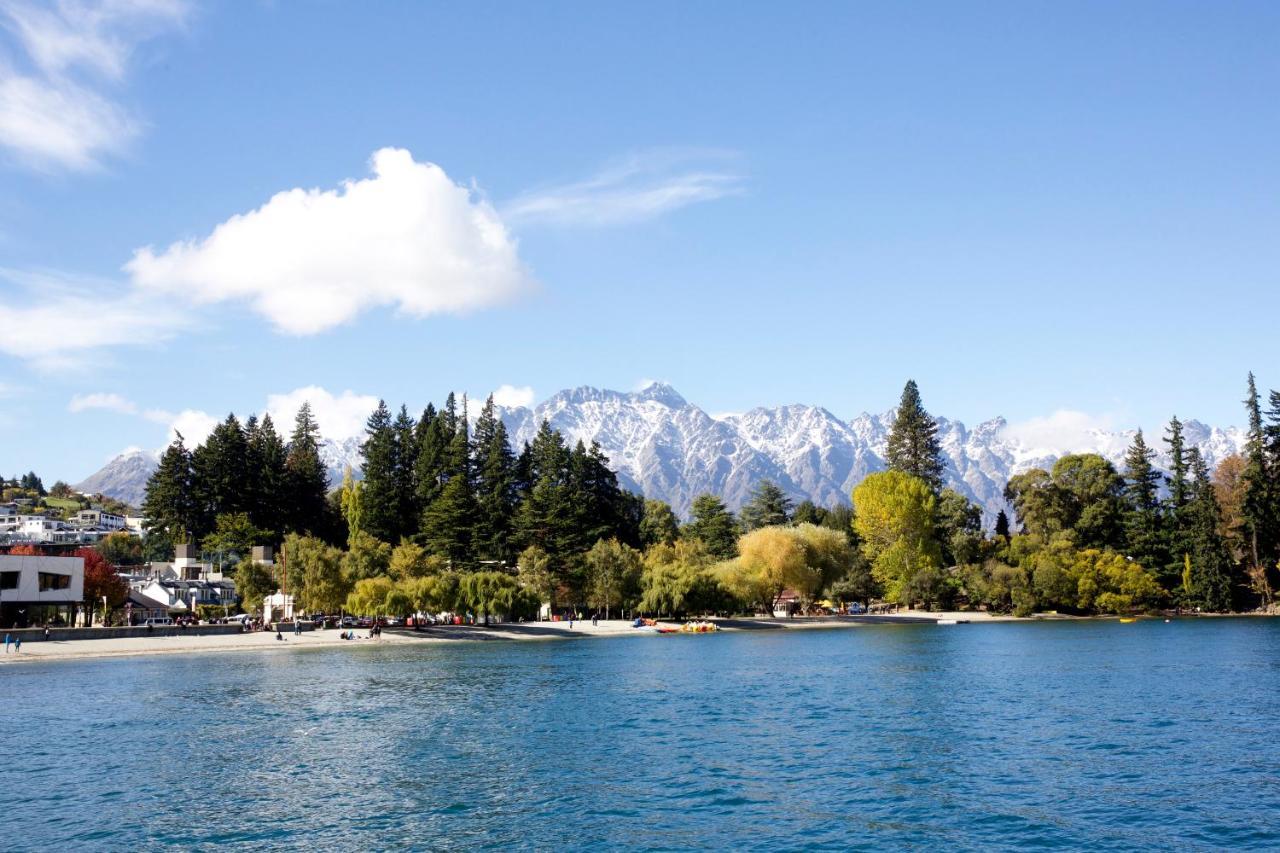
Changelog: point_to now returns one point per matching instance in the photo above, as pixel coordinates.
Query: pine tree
(493, 469)
(658, 525)
(1144, 528)
(544, 518)
(1259, 497)
(405, 473)
(221, 482)
(267, 475)
(381, 508)
(168, 505)
(1002, 525)
(1210, 579)
(768, 506)
(714, 526)
(913, 440)
(448, 522)
(1176, 523)
(306, 481)
(429, 467)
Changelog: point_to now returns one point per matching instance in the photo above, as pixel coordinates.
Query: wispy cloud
(101, 400)
(641, 187)
(58, 111)
(55, 320)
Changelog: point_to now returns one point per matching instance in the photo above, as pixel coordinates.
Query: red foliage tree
(100, 579)
(25, 551)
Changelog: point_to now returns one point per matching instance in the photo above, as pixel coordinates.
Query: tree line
(441, 501)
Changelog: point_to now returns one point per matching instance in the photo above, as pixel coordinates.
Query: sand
(265, 641)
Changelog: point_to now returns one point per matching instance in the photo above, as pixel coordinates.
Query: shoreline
(265, 641)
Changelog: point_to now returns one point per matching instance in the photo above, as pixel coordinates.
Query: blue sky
(1030, 208)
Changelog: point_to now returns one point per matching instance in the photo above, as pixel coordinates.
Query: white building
(35, 590)
(99, 518)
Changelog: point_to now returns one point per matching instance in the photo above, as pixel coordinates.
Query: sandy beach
(265, 641)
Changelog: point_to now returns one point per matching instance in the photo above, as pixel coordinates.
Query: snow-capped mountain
(123, 478)
(665, 447)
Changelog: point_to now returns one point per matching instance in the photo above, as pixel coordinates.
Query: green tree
(678, 578)
(120, 549)
(659, 524)
(492, 593)
(168, 505)
(267, 475)
(367, 557)
(1144, 522)
(351, 498)
(770, 560)
(913, 446)
(896, 517)
(306, 482)
(1210, 579)
(411, 560)
(404, 475)
(220, 474)
(380, 505)
(323, 584)
(234, 534)
(253, 583)
(495, 487)
(959, 528)
(1259, 523)
(769, 506)
(533, 571)
(613, 574)
(713, 525)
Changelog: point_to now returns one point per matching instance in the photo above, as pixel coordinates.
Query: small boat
(1125, 620)
(948, 622)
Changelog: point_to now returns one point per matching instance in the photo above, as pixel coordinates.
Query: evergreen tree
(597, 503)
(807, 512)
(769, 506)
(1259, 527)
(658, 525)
(1002, 525)
(714, 526)
(1144, 528)
(168, 505)
(267, 474)
(448, 522)
(221, 481)
(1210, 584)
(545, 514)
(1177, 524)
(495, 487)
(913, 440)
(380, 501)
(408, 511)
(306, 481)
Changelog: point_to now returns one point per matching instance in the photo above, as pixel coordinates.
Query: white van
(156, 622)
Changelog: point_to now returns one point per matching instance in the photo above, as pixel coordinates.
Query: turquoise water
(1094, 735)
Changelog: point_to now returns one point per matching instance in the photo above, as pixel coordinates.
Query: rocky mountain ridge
(664, 447)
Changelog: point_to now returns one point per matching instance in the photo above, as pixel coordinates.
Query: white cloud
(100, 400)
(339, 417)
(194, 425)
(309, 260)
(55, 114)
(1064, 431)
(511, 397)
(641, 187)
(61, 319)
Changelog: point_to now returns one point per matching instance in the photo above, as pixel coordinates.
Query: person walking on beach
(7, 641)
(17, 645)
(46, 632)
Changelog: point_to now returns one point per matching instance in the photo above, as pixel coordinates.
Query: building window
(50, 581)
(9, 580)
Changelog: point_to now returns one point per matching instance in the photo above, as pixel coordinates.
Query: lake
(1052, 735)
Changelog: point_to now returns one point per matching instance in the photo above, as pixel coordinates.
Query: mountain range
(664, 447)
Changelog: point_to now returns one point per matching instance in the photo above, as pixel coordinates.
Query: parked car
(157, 621)
(348, 621)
